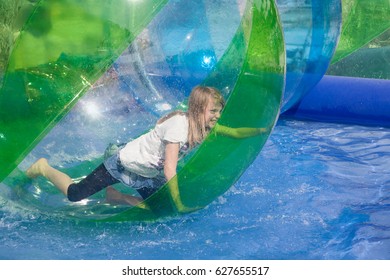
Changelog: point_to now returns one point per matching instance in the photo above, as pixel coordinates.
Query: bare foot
(36, 169)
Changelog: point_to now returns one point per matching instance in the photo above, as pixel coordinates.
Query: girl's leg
(42, 168)
(99, 179)
(115, 197)
(96, 181)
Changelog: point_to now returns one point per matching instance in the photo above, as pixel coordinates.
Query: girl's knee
(74, 193)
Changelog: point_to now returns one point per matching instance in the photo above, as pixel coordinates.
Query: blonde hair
(197, 104)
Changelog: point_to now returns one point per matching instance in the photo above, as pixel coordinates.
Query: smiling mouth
(212, 123)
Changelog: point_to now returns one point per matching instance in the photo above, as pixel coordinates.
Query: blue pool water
(316, 191)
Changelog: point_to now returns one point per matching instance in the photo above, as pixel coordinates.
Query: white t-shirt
(145, 155)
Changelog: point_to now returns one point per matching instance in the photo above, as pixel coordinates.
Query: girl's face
(212, 113)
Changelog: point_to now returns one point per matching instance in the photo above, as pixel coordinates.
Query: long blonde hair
(197, 104)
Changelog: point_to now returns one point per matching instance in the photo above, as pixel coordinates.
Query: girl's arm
(239, 132)
(170, 165)
(171, 158)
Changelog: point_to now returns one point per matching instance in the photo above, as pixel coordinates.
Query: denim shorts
(131, 179)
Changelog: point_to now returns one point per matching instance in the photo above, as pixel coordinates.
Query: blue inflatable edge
(346, 100)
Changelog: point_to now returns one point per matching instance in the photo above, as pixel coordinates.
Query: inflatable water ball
(82, 74)
(311, 31)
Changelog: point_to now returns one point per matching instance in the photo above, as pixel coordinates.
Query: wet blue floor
(316, 191)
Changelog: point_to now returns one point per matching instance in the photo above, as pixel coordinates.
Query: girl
(150, 160)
